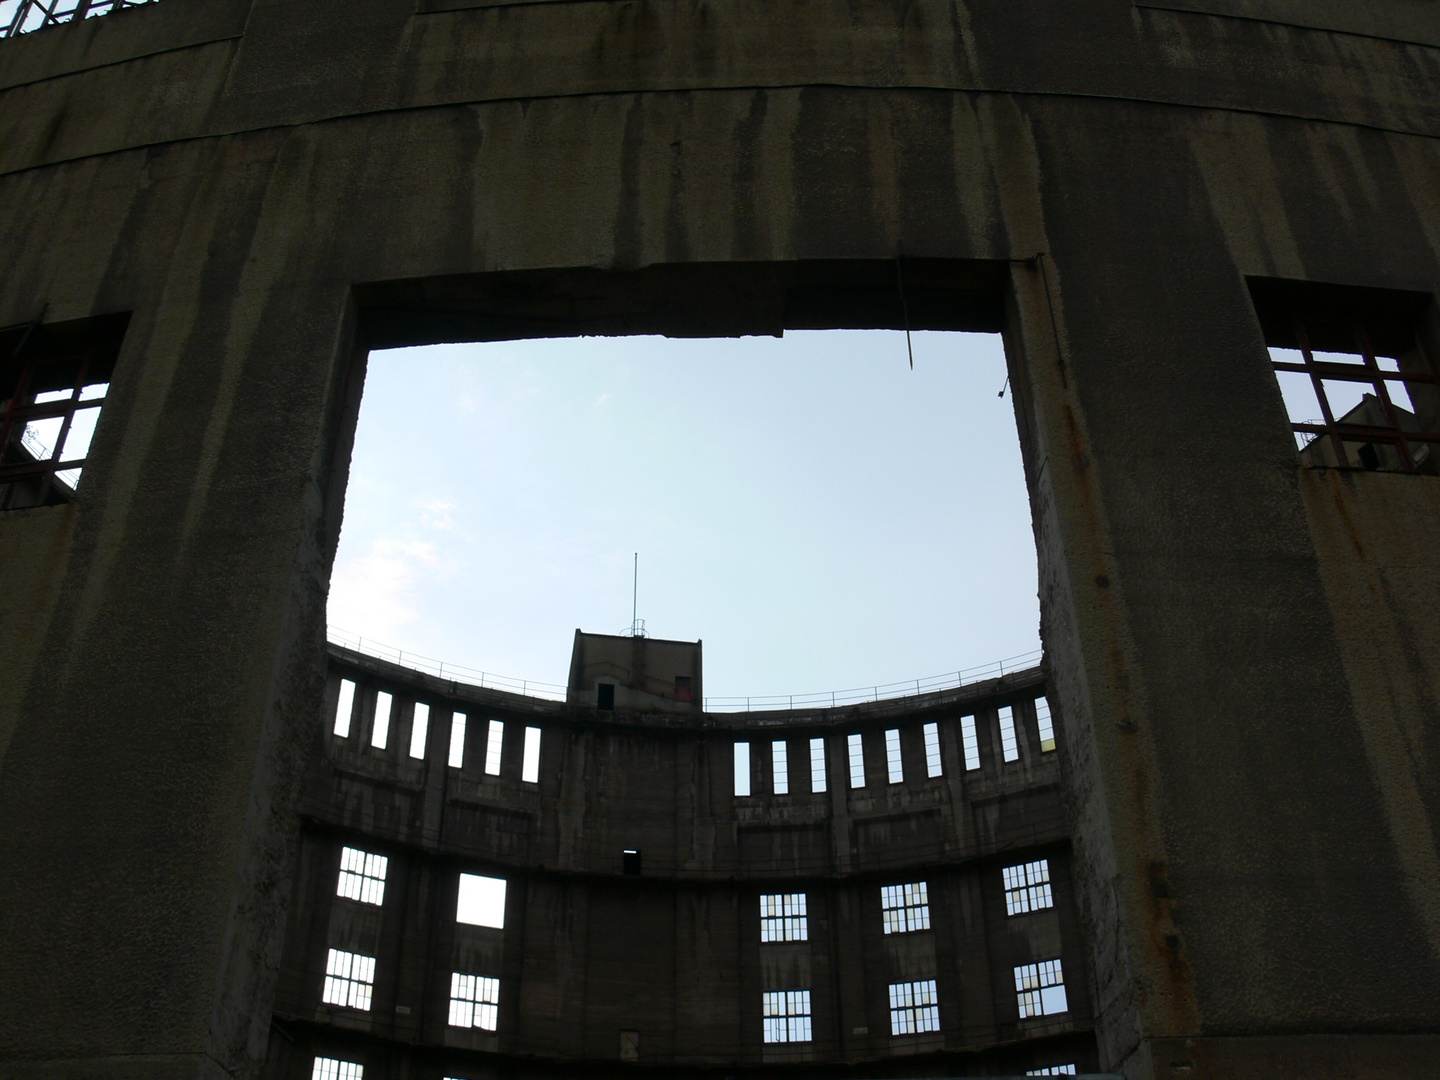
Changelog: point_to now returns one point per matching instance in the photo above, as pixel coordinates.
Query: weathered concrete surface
(1249, 693)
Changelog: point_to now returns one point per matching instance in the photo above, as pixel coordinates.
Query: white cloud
(377, 591)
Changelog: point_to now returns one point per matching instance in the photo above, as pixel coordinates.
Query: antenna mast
(635, 597)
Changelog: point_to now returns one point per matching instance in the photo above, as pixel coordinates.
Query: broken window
(817, 765)
(1009, 745)
(742, 769)
(474, 1001)
(419, 729)
(856, 745)
(24, 16)
(905, 908)
(932, 750)
(892, 756)
(780, 767)
(783, 918)
(787, 1016)
(971, 741)
(494, 743)
(380, 731)
(333, 1069)
(530, 757)
(914, 1008)
(1040, 989)
(344, 707)
(349, 980)
(362, 876)
(481, 901)
(1360, 383)
(457, 740)
(53, 382)
(1045, 724)
(1027, 887)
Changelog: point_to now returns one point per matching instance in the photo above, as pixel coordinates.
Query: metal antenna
(635, 597)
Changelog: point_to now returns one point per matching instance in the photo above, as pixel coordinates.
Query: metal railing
(24, 16)
(827, 699)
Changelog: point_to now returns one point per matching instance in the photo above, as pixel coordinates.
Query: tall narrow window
(494, 743)
(787, 1016)
(362, 876)
(783, 917)
(856, 746)
(457, 740)
(914, 1008)
(892, 756)
(349, 980)
(905, 908)
(779, 767)
(344, 707)
(1045, 724)
(742, 769)
(1027, 887)
(1040, 989)
(817, 765)
(1010, 746)
(932, 750)
(481, 901)
(380, 731)
(419, 729)
(474, 1001)
(971, 743)
(530, 760)
(334, 1069)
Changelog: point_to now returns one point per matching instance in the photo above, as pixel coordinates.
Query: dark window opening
(1357, 372)
(53, 382)
(605, 696)
(682, 688)
(630, 862)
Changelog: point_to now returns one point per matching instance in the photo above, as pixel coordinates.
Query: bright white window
(380, 733)
(1008, 743)
(742, 768)
(481, 901)
(419, 729)
(971, 742)
(892, 756)
(856, 746)
(817, 764)
(332, 1069)
(932, 750)
(457, 740)
(780, 767)
(474, 1001)
(1027, 887)
(494, 743)
(343, 708)
(783, 918)
(1054, 1070)
(349, 980)
(787, 1016)
(1041, 989)
(1047, 741)
(362, 876)
(905, 908)
(913, 1008)
(530, 759)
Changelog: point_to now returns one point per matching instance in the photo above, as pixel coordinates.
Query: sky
(822, 516)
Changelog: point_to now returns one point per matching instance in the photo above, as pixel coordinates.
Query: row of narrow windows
(334, 1069)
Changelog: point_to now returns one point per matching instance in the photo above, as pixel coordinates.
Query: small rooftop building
(634, 673)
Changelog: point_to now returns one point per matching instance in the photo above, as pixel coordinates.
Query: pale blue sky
(822, 516)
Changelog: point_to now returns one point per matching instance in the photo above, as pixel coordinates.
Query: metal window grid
(856, 747)
(1053, 1070)
(914, 1008)
(24, 16)
(362, 876)
(1040, 989)
(349, 980)
(780, 767)
(21, 454)
(972, 743)
(1027, 887)
(817, 765)
(1009, 743)
(783, 917)
(893, 761)
(1369, 372)
(334, 1069)
(474, 1001)
(494, 744)
(787, 1015)
(905, 908)
(1045, 724)
(933, 766)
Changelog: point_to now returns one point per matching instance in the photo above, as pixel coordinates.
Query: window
(419, 729)
(932, 750)
(630, 862)
(349, 979)
(605, 696)
(1054, 1070)
(494, 743)
(682, 688)
(905, 908)
(1046, 726)
(457, 740)
(782, 917)
(817, 765)
(913, 1008)
(362, 876)
(742, 769)
(331, 1069)
(1041, 989)
(1009, 746)
(1361, 387)
(892, 756)
(857, 760)
(474, 1001)
(344, 707)
(380, 733)
(481, 901)
(28, 15)
(530, 758)
(787, 1016)
(780, 767)
(1027, 887)
(971, 742)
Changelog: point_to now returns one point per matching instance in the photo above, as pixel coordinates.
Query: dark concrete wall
(1241, 649)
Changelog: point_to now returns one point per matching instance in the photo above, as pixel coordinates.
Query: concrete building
(1144, 198)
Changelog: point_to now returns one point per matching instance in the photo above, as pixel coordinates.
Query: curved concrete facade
(1242, 650)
